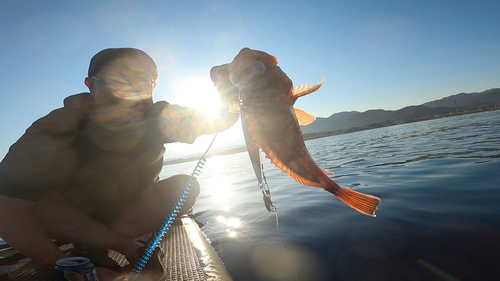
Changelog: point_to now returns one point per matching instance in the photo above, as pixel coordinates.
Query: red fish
(270, 122)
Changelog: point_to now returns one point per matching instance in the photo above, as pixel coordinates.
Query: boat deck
(188, 256)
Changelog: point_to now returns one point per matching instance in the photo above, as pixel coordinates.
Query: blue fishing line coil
(155, 241)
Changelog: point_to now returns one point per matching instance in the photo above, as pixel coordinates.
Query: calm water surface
(439, 219)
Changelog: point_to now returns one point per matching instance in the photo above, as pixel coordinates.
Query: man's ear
(89, 83)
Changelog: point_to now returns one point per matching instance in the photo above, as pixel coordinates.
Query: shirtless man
(87, 173)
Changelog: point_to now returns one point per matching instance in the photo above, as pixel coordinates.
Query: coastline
(196, 158)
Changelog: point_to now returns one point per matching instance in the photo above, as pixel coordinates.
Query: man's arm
(219, 122)
(181, 124)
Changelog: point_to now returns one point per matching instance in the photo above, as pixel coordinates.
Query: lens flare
(200, 94)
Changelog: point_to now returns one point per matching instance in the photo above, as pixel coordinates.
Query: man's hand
(228, 91)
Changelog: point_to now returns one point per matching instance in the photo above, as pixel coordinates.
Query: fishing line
(271, 208)
(155, 241)
(283, 247)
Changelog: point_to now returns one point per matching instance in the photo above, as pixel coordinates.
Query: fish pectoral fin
(234, 106)
(328, 173)
(363, 203)
(303, 90)
(303, 117)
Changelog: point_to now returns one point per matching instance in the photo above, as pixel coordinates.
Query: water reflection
(231, 224)
(219, 188)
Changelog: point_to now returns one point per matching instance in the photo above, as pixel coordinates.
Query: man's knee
(195, 189)
(181, 181)
(175, 186)
(13, 210)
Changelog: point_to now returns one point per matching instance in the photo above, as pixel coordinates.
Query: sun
(198, 93)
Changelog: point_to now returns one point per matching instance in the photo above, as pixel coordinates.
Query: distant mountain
(378, 117)
(468, 101)
(337, 121)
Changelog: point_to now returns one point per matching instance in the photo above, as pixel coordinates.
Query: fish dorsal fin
(303, 117)
(303, 90)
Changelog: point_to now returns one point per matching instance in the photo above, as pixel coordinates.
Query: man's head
(121, 75)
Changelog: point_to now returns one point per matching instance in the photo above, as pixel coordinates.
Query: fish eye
(259, 66)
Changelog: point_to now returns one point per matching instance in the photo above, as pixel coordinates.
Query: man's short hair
(107, 56)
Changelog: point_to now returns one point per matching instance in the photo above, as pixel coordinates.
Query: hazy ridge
(459, 103)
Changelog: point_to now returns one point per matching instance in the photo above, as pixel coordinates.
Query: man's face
(123, 83)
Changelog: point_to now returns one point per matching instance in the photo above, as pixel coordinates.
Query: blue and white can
(76, 269)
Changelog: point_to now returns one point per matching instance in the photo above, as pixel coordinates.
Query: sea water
(439, 181)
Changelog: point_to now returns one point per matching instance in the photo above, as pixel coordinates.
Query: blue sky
(375, 54)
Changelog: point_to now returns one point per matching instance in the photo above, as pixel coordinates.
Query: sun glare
(198, 93)
(232, 225)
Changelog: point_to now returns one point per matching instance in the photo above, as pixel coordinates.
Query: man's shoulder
(80, 103)
(62, 121)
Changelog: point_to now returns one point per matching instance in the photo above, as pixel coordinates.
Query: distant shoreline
(196, 158)
(312, 136)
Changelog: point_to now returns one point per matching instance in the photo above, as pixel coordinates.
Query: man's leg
(29, 227)
(65, 222)
(154, 206)
(24, 232)
(149, 212)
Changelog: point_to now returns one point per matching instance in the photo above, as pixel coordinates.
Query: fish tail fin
(363, 203)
